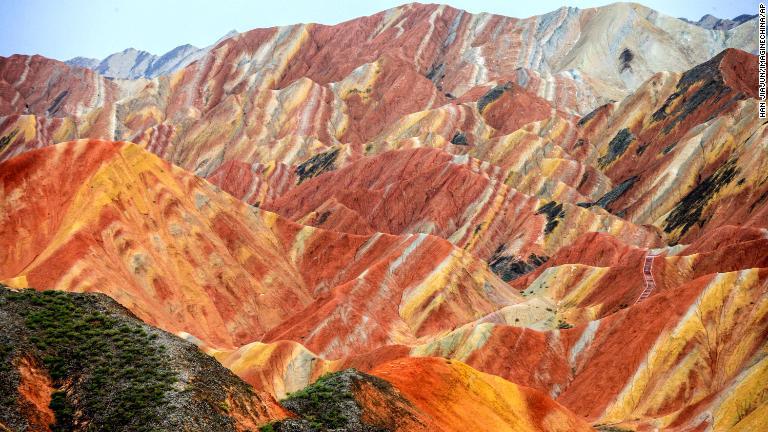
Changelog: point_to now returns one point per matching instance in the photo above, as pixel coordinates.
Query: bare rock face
(83, 62)
(654, 132)
(435, 220)
(348, 83)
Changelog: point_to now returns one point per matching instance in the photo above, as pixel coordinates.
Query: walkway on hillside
(650, 284)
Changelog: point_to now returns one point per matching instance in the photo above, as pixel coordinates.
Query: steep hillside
(400, 397)
(132, 63)
(686, 150)
(82, 362)
(184, 256)
(714, 23)
(420, 220)
(686, 358)
(319, 86)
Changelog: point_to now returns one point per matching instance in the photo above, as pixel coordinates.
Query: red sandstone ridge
(22, 77)
(346, 83)
(130, 225)
(739, 71)
(496, 404)
(614, 370)
(507, 107)
(646, 144)
(453, 197)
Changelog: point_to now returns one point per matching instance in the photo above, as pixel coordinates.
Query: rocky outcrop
(454, 197)
(225, 98)
(629, 369)
(352, 401)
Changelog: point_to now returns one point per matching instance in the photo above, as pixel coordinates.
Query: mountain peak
(132, 63)
(711, 22)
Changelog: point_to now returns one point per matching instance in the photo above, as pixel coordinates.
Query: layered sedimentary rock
(496, 403)
(399, 397)
(690, 356)
(437, 53)
(351, 401)
(546, 203)
(685, 150)
(666, 112)
(454, 197)
(125, 223)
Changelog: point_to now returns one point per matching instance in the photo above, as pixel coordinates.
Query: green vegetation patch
(112, 367)
(321, 403)
(5, 354)
(267, 428)
(330, 404)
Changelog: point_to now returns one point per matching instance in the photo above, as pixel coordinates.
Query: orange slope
(458, 398)
(184, 256)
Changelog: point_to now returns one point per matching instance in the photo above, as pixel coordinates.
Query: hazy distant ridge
(132, 63)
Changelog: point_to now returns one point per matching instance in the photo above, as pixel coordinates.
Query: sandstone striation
(424, 219)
